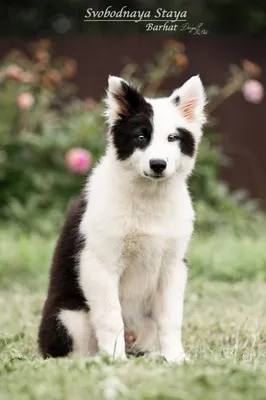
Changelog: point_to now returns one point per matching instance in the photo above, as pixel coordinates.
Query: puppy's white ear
(191, 99)
(122, 99)
(113, 94)
(115, 84)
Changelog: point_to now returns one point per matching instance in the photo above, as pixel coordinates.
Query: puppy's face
(156, 138)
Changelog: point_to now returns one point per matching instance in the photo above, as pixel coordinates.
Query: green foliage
(40, 122)
(34, 177)
(34, 88)
(215, 204)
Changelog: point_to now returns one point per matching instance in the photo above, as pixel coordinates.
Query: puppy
(119, 268)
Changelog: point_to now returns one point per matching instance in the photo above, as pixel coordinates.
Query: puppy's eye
(140, 139)
(173, 138)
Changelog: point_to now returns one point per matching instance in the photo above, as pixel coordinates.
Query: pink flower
(78, 160)
(25, 101)
(253, 91)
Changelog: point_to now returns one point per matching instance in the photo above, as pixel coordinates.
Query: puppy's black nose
(157, 165)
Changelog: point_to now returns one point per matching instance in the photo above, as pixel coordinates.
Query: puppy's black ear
(190, 100)
(122, 99)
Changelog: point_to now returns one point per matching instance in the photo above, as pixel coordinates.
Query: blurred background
(54, 68)
(53, 73)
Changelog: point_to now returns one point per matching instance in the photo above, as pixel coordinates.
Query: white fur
(112, 108)
(78, 326)
(137, 232)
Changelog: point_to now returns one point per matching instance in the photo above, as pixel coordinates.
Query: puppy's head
(155, 138)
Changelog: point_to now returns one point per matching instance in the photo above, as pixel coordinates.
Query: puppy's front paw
(119, 356)
(177, 358)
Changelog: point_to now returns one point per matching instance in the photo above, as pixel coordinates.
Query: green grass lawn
(224, 328)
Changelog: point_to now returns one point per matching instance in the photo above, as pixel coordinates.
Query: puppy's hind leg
(79, 328)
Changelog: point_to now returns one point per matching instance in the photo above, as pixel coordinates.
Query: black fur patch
(136, 353)
(186, 262)
(135, 118)
(176, 100)
(187, 142)
(64, 291)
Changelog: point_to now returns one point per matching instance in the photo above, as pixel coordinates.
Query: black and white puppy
(119, 263)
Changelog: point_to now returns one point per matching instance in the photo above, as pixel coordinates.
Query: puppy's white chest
(142, 258)
(142, 255)
(140, 247)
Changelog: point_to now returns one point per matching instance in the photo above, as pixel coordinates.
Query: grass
(224, 328)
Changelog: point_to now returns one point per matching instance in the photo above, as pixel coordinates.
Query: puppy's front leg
(168, 311)
(99, 282)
